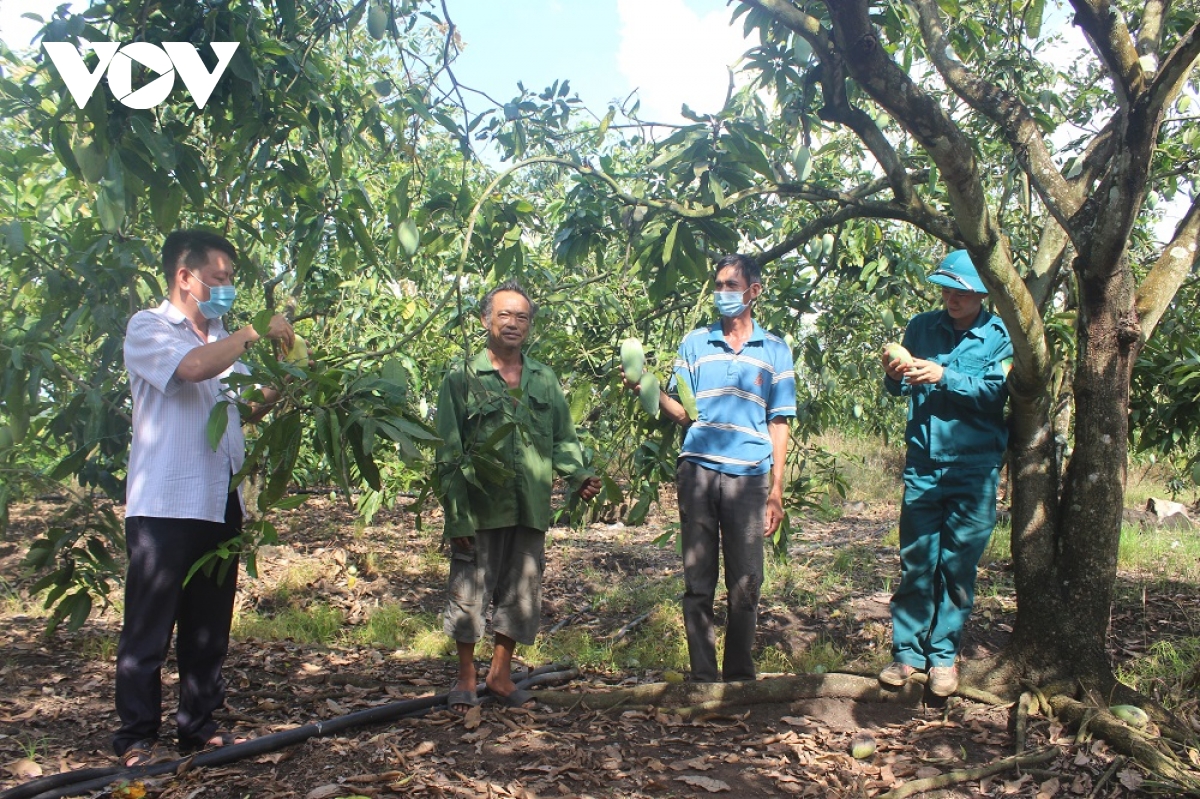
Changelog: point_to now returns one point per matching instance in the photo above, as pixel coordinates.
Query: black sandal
(221, 737)
(145, 752)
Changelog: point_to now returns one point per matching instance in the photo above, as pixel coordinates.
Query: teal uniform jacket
(960, 420)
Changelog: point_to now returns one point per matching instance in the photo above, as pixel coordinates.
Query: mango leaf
(262, 321)
(1035, 11)
(218, 420)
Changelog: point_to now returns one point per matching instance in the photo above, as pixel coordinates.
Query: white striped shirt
(173, 472)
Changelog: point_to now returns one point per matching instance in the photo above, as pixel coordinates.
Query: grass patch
(1166, 672)
(97, 647)
(316, 624)
(392, 627)
(660, 643)
(576, 645)
(14, 602)
(871, 467)
(1170, 554)
(296, 578)
(791, 583)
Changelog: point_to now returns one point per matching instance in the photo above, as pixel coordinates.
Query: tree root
(969, 774)
(698, 698)
(1149, 752)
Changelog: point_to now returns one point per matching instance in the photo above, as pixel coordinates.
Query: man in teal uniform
(956, 436)
(506, 430)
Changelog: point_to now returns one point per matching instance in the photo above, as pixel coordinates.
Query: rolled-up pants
(721, 513)
(161, 552)
(946, 520)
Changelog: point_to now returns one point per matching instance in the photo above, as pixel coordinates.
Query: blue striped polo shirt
(737, 393)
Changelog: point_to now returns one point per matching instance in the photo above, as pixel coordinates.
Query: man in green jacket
(956, 437)
(506, 430)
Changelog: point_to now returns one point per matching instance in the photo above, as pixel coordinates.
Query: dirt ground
(56, 703)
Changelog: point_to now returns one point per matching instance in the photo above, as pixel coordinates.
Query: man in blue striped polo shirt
(730, 471)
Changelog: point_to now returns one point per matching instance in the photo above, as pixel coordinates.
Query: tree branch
(1105, 29)
(837, 104)
(1149, 37)
(1174, 72)
(1178, 258)
(1061, 198)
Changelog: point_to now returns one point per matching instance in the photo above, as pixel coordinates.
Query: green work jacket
(959, 420)
(502, 447)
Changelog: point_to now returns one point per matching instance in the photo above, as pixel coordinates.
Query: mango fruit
(92, 161)
(896, 352)
(862, 745)
(377, 19)
(298, 354)
(1132, 715)
(688, 399)
(410, 237)
(648, 390)
(633, 359)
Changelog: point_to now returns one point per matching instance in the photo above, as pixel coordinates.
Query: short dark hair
(193, 246)
(746, 266)
(485, 305)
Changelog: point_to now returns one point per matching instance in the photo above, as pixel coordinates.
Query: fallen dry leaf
(24, 769)
(1130, 779)
(324, 792)
(473, 717)
(707, 783)
(1048, 789)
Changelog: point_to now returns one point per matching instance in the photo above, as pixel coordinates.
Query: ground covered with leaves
(611, 601)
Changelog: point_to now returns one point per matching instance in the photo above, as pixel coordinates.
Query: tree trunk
(1065, 547)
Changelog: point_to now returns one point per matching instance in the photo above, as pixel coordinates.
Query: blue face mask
(220, 300)
(729, 303)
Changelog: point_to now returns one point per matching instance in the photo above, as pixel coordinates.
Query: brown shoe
(943, 680)
(896, 674)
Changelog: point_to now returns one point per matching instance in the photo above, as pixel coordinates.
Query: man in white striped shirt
(730, 470)
(179, 505)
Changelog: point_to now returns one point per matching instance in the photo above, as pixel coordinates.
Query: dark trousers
(721, 513)
(161, 552)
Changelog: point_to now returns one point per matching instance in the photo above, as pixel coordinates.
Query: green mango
(895, 352)
(377, 20)
(648, 390)
(410, 238)
(633, 359)
(862, 746)
(688, 400)
(1132, 715)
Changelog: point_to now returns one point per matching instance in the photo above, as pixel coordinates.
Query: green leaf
(292, 502)
(218, 420)
(161, 149)
(1035, 12)
(71, 464)
(262, 323)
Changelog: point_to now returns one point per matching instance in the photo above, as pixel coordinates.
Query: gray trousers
(504, 570)
(721, 512)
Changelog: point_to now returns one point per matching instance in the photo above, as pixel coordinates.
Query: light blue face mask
(729, 303)
(220, 300)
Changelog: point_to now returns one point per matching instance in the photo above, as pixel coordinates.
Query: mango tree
(308, 154)
(905, 130)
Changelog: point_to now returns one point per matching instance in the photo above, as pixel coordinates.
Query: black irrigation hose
(76, 783)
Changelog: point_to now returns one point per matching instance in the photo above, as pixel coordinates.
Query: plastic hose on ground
(76, 783)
